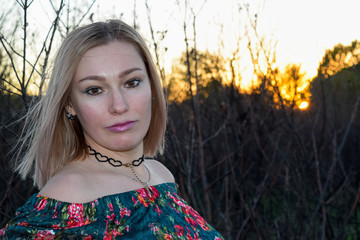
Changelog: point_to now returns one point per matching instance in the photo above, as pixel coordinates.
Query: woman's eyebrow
(92, 77)
(129, 71)
(121, 75)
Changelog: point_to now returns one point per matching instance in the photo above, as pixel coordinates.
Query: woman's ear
(69, 108)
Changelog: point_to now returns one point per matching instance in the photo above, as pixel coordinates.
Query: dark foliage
(268, 175)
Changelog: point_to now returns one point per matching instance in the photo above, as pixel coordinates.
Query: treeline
(271, 172)
(268, 173)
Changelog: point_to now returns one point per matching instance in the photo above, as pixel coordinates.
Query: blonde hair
(50, 139)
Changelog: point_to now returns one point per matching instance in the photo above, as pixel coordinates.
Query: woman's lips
(122, 127)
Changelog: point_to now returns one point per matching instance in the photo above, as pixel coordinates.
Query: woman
(85, 143)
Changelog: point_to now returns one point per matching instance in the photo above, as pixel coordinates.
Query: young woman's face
(111, 97)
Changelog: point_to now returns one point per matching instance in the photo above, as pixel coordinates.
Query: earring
(70, 116)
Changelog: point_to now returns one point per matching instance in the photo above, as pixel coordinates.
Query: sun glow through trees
(304, 105)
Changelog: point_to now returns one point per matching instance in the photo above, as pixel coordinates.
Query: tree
(209, 67)
(293, 86)
(24, 64)
(335, 89)
(338, 58)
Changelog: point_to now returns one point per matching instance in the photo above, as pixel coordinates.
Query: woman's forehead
(114, 57)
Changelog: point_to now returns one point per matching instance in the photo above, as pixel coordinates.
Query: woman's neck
(120, 157)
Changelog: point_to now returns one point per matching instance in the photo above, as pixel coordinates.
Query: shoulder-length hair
(50, 139)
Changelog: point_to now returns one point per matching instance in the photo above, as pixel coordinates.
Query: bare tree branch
(48, 49)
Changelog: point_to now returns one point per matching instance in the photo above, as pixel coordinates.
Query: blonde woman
(85, 143)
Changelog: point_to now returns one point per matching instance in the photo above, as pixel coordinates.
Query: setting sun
(303, 105)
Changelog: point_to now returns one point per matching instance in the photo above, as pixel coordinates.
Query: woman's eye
(93, 91)
(132, 83)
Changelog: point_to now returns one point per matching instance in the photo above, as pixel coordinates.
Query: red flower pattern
(41, 205)
(176, 200)
(191, 221)
(111, 217)
(23, 224)
(154, 228)
(76, 216)
(187, 223)
(111, 208)
(157, 209)
(167, 236)
(76, 211)
(124, 212)
(45, 235)
(202, 224)
(147, 196)
(179, 230)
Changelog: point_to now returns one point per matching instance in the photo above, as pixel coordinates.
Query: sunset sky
(307, 28)
(303, 29)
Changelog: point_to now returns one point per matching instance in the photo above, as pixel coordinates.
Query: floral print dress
(156, 212)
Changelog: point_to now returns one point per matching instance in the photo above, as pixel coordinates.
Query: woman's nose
(118, 103)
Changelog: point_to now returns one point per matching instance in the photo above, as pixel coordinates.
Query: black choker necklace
(113, 162)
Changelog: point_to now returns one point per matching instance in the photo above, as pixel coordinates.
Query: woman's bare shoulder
(68, 185)
(160, 170)
(75, 183)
